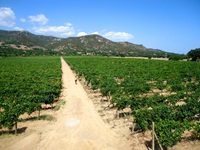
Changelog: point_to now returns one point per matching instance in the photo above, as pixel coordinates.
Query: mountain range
(89, 44)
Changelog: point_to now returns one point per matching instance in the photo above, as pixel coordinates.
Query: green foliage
(169, 131)
(194, 54)
(10, 52)
(197, 129)
(108, 86)
(122, 102)
(176, 57)
(26, 83)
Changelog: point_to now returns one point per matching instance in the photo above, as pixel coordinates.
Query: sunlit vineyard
(25, 84)
(164, 92)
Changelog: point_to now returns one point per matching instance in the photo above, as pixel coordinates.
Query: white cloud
(18, 29)
(40, 19)
(95, 33)
(119, 36)
(23, 20)
(60, 31)
(68, 24)
(7, 17)
(82, 34)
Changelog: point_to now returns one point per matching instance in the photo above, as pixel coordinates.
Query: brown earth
(83, 123)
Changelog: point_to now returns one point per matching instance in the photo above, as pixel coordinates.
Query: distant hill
(89, 44)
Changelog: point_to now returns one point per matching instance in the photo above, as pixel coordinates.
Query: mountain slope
(84, 44)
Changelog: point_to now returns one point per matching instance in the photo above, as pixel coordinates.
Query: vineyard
(26, 84)
(164, 92)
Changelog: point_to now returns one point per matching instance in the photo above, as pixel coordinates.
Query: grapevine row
(164, 92)
(25, 84)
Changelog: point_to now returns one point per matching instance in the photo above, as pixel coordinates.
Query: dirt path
(78, 125)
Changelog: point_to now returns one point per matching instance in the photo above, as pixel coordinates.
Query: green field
(164, 92)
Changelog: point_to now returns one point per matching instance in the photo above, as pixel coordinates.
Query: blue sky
(169, 25)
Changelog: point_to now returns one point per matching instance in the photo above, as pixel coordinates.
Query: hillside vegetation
(24, 43)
